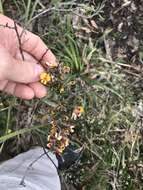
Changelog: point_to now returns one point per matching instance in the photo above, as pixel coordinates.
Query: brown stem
(19, 40)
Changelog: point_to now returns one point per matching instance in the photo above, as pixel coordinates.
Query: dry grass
(105, 57)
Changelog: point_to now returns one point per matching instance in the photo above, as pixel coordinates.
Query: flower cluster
(45, 78)
(58, 139)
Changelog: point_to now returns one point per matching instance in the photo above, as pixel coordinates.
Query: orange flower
(77, 112)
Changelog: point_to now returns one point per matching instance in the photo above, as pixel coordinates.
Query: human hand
(20, 77)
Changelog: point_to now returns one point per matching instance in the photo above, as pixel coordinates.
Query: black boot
(69, 157)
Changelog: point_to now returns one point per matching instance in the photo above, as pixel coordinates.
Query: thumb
(23, 71)
(17, 70)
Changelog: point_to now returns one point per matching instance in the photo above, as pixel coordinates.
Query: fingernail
(50, 64)
(38, 70)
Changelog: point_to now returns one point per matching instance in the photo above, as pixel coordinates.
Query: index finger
(30, 42)
(37, 48)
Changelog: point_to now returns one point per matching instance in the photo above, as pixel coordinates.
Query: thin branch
(7, 26)
(43, 55)
(19, 40)
(19, 36)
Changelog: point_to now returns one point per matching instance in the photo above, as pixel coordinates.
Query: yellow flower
(45, 78)
(80, 109)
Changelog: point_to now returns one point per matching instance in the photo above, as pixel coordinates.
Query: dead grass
(104, 52)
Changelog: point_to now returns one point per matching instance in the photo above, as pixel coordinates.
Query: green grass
(1, 6)
(109, 90)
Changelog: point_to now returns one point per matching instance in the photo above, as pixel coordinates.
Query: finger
(23, 72)
(40, 91)
(17, 70)
(19, 90)
(27, 57)
(31, 43)
(3, 84)
(37, 48)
